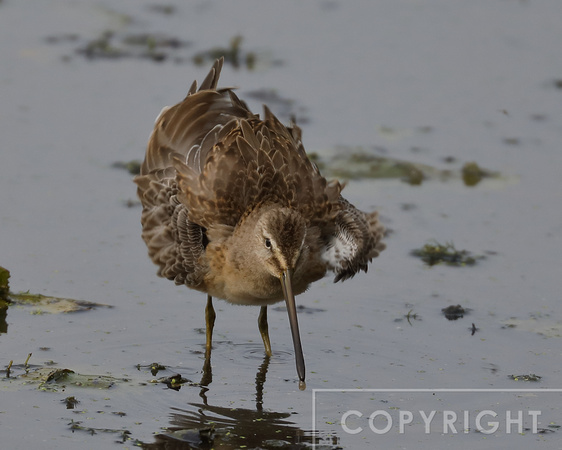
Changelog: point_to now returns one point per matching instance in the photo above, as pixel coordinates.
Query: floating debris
(435, 253)
(55, 380)
(154, 368)
(412, 316)
(454, 312)
(60, 379)
(472, 174)
(70, 402)
(25, 366)
(102, 47)
(156, 47)
(152, 41)
(77, 426)
(9, 368)
(176, 381)
(530, 377)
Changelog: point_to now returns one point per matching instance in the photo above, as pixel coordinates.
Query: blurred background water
(433, 84)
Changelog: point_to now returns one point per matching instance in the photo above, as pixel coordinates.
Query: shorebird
(233, 207)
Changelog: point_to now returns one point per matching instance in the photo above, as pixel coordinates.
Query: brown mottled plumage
(233, 207)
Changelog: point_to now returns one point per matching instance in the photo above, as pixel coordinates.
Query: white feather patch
(341, 248)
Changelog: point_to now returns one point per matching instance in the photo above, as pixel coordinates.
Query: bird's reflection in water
(260, 381)
(204, 426)
(207, 379)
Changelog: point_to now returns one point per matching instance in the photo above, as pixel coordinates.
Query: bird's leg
(264, 330)
(210, 316)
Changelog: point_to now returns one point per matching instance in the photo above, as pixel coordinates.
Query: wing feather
(355, 241)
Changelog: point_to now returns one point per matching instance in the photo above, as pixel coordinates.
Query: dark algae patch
(434, 253)
(78, 426)
(49, 379)
(176, 381)
(109, 45)
(358, 163)
(454, 312)
(53, 379)
(156, 47)
(41, 304)
(70, 402)
(472, 174)
(124, 44)
(126, 40)
(530, 377)
(154, 368)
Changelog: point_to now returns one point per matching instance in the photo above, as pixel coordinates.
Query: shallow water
(425, 82)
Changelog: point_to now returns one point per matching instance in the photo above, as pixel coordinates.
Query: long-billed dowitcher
(233, 207)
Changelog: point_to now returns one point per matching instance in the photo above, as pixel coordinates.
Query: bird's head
(280, 234)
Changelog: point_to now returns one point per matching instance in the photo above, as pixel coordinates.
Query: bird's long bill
(292, 310)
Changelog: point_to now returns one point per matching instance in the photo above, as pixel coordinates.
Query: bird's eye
(267, 243)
